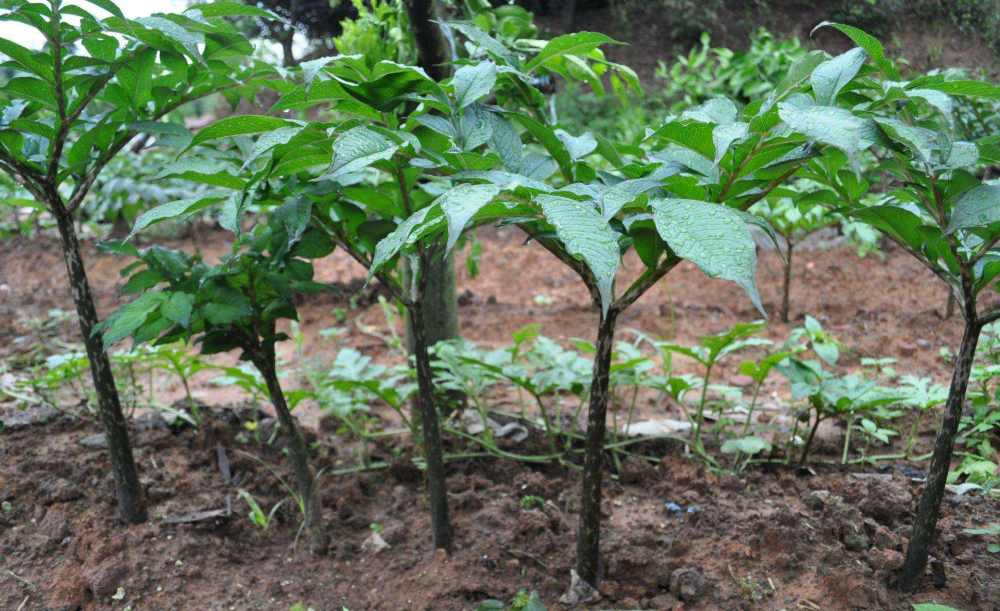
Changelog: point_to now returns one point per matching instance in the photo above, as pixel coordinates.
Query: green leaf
(178, 308)
(239, 125)
(978, 207)
(712, 236)
(459, 204)
(473, 82)
(178, 210)
(869, 43)
(745, 445)
(358, 148)
(109, 6)
(32, 61)
(578, 147)
(185, 38)
(920, 140)
(832, 75)
(971, 89)
(578, 43)
(205, 171)
(389, 246)
(127, 319)
(586, 236)
(830, 125)
(933, 607)
(230, 9)
(225, 313)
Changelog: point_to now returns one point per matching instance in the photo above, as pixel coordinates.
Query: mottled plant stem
(437, 490)
(298, 454)
(131, 504)
(925, 520)
(588, 538)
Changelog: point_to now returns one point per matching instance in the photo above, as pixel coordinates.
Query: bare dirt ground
(775, 538)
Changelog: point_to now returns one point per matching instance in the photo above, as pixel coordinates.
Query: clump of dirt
(676, 535)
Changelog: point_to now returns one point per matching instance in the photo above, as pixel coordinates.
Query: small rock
(885, 559)
(374, 544)
(886, 500)
(663, 601)
(579, 592)
(15, 418)
(687, 584)
(54, 526)
(105, 579)
(817, 499)
(742, 381)
(923, 343)
(97, 441)
(58, 490)
(856, 541)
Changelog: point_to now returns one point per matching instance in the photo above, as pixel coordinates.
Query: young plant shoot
(234, 305)
(71, 107)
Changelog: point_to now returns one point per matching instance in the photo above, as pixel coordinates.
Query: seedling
(235, 304)
(711, 350)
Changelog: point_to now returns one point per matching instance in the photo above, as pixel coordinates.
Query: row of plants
(403, 164)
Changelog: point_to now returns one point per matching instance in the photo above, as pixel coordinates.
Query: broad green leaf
(962, 155)
(389, 246)
(176, 210)
(712, 236)
(578, 147)
(978, 207)
(358, 148)
(745, 445)
(972, 89)
(187, 39)
(833, 75)
(920, 140)
(830, 125)
(933, 607)
(586, 236)
(548, 139)
(127, 319)
(230, 9)
(473, 82)
(225, 313)
(205, 171)
(869, 43)
(178, 308)
(460, 204)
(108, 5)
(724, 136)
(32, 61)
(239, 125)
(578, 43)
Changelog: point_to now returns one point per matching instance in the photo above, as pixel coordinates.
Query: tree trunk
(588, 537)
(433, 453)
(787, 285)
(925, 520)
(298, 454)
(431, 46)
(131, 504)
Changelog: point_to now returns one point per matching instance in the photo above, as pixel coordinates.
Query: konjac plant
(940, 211)
(68, 109)
(683, 195)
(236, 304)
